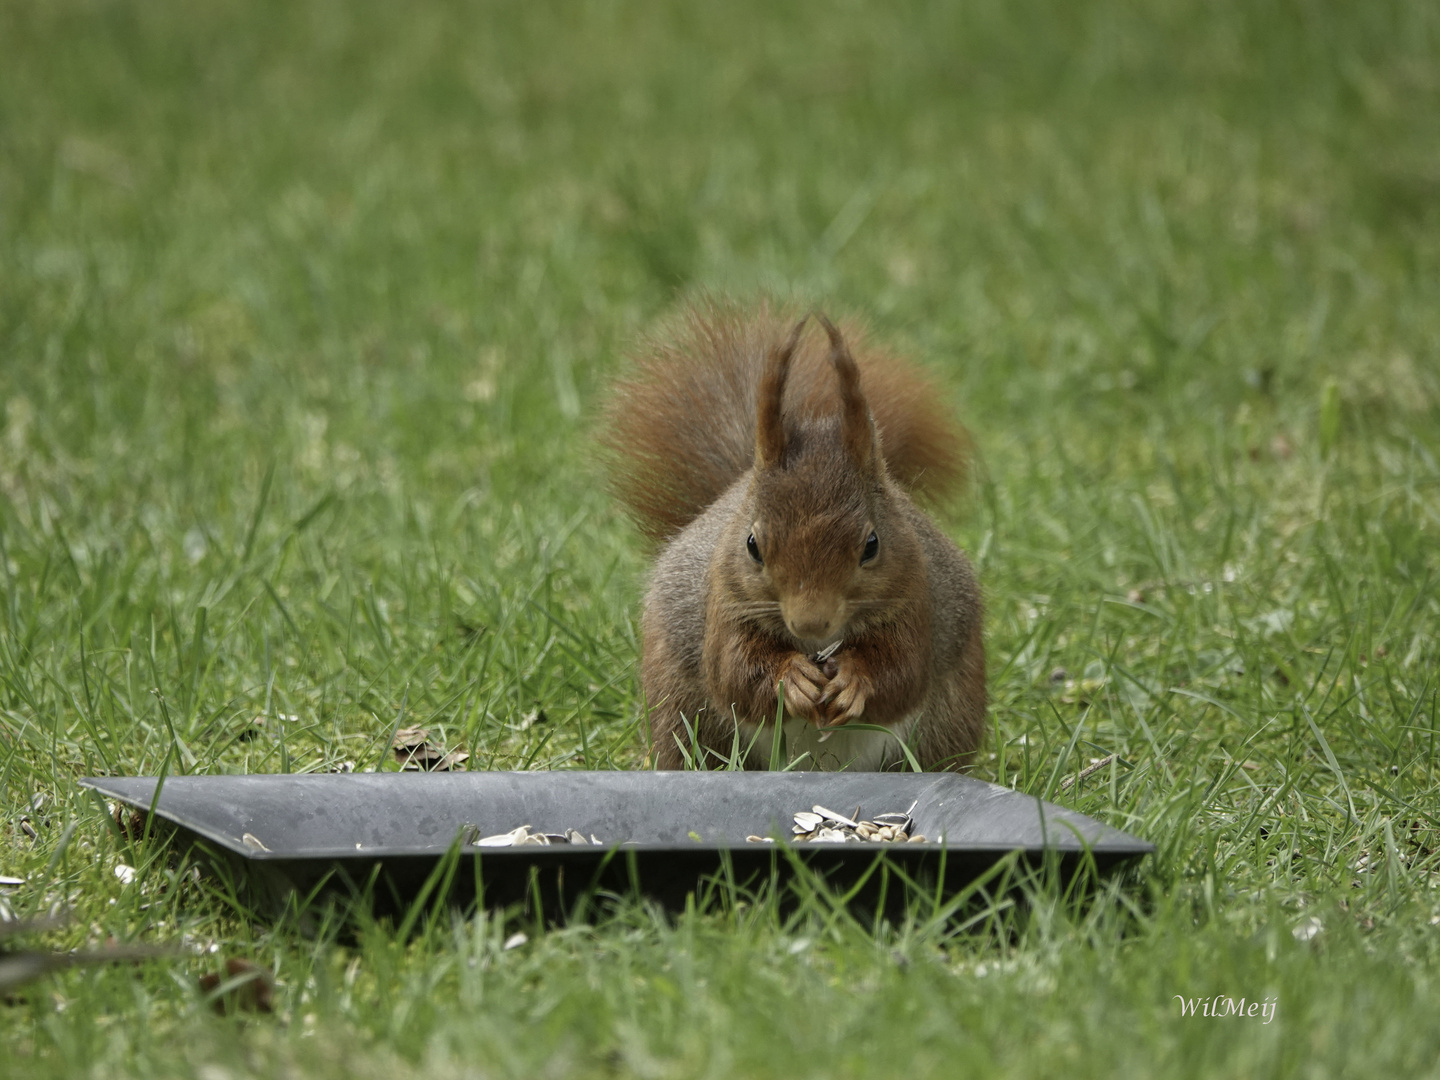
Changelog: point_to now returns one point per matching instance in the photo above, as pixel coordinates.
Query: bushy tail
(680, 427)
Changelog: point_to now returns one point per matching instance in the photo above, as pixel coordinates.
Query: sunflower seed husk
(509, 839)
(822, 825)
(831, 815)
(526, 836)
(759, 839)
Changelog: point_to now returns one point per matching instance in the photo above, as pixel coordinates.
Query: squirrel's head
(825, 542)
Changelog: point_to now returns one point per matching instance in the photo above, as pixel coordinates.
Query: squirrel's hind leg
(954, 724)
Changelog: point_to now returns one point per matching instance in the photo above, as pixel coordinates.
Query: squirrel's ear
(769, 424)
(857, 430)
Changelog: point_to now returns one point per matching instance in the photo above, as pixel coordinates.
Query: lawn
(305, 314)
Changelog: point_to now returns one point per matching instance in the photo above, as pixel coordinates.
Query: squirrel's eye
(754, 549)
(872, 548)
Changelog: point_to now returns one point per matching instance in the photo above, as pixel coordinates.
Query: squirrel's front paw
(804, 688)
(846, 692)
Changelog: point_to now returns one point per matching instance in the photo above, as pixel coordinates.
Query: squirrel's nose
(814, 621)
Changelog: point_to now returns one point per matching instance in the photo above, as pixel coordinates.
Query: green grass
(304, 310)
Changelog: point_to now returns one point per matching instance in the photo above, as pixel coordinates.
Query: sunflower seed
(903, 820)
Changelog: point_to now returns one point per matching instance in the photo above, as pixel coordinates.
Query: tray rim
(1116, 845)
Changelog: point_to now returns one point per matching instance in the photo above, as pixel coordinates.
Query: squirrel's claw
(804, 689)
(846, 693)
(802, 704)
(848, 705)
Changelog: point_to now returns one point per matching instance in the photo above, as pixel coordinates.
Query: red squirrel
(775, 468)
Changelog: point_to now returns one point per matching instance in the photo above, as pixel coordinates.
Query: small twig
(1071, 781)
(23, 966)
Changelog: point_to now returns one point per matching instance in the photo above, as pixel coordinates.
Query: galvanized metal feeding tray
(659, 833)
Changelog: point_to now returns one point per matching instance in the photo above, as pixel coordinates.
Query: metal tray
(666, 831)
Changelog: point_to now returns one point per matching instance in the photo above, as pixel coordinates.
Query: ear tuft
(769, 424)
(857, 430)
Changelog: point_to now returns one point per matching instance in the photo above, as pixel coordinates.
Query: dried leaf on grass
(130, 822)
(416, 754)
(245, 987)
(410, 738)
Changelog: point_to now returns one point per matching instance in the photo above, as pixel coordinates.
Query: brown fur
(742, 427)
